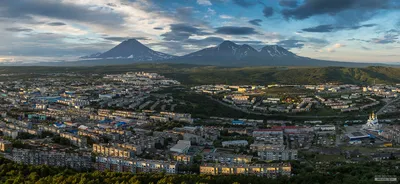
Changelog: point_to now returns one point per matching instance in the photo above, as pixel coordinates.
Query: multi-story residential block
(269, 170)
(186, 159)
(234, 143)
(113, 151)
(135, 148)
(52, 129)
(273, 154)
(25, 124)
(77, 161)
(5, 146)
(93, 136)
(135, 165)
(227, 158)
(75, 139)
(9, 132)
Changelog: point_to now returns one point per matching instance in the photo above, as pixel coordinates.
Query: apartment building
(76, 161)
(5, 146)
(135, 165)
(113, 151)
(183, 158)
(269, 170)
(274, 154)
(74, 139)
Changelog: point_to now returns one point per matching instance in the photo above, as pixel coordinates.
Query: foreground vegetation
(335, 173)
(195, 74)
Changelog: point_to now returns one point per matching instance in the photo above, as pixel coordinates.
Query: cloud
(338, 45)
(365, 48)
(290, 44)
(182, 32)
(333, 28)
(205, 42)
(232, 30)
(300, 42)
(386, 39)
(184, 11)
(255, 22)
(333, 48)
(320, 28)
(288, 3)
(245, 3)
(120, 39)
(18, 29)
(56, 24)
(225, 17)
(211, 11)
(268, 11)
(204, 2)
(58, 10)
(331, 7)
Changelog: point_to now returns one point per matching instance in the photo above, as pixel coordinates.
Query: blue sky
(341, 30)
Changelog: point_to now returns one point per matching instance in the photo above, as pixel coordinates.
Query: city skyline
(349, 30)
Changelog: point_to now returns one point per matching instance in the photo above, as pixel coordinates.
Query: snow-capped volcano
(131, 49)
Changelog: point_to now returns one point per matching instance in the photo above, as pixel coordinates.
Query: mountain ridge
(226, 53)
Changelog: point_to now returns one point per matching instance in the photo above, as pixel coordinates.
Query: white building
(372, 123)
(181, 147)
(234, 143)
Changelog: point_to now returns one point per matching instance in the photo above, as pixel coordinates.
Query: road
(387, 104)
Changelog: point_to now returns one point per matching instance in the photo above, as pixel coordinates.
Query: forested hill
(195, 74)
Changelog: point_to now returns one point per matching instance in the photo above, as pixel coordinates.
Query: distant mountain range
(225, 54)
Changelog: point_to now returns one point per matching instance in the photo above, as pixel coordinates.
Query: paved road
(380, 111)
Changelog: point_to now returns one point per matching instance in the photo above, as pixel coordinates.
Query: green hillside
(195, 74)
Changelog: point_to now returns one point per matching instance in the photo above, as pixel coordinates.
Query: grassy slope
(194, 74)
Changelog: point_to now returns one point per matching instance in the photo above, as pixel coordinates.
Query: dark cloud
(18, 29)
(182, 32)
(112, 4)
(158, 28)
(268, 11)
(332, 28)
(232, 30)
(290, 44)
(245, 3)
(120, 39)
(56, 24)
(288, 3)
(318, 7)
(365, 48)
(205, 42)
(300, 42)
(255, 22)
(317, 41)
(248, 42)
(23, 9)
(184, 11)
(320, 28)
(390, 36)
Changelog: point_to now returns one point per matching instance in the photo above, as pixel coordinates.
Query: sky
(340, 30)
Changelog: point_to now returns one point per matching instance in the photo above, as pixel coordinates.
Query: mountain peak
(227, 43)
(132, 49)
(131, 40)
(276, 50)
